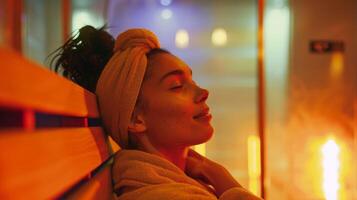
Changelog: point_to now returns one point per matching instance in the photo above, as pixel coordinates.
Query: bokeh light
(166, 13)
(219, 37)
(182, 38)
(165, 2)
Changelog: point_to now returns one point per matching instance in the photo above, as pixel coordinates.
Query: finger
(192, 162)
(195, 171)
(192, 167)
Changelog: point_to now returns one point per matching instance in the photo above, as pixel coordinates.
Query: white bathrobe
(143, 176)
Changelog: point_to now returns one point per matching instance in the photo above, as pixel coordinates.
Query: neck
(176, 155)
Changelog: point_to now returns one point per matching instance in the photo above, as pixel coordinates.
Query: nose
(202, 95)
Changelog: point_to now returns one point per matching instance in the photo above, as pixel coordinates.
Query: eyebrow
(174, 72)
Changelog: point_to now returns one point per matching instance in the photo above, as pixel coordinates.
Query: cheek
(173, 112)
(170, 119)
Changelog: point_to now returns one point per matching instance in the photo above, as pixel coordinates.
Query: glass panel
(42, 28)
(311, 129)
(90, 12)
(217, 39)
(43, 24)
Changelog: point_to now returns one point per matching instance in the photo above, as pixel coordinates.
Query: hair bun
(84, 56)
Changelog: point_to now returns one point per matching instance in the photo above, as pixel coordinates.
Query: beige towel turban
(120, 82)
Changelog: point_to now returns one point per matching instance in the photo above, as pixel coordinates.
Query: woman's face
(175, 110)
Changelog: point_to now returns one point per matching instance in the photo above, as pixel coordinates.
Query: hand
(209, 172)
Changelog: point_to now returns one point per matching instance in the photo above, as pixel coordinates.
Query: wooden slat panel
(45, 163)
(99, 187)
(29, 85)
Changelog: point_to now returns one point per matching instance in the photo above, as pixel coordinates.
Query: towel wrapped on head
(119, 84)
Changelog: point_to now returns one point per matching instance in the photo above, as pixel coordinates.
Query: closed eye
(176, 87)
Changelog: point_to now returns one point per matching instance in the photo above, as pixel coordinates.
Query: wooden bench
(51, 142)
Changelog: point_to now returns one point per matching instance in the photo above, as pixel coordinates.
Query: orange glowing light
(337, 64)
(331, 165)
(254, 164)
(201, 149)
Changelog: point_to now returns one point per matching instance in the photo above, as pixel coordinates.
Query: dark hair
(83, 56)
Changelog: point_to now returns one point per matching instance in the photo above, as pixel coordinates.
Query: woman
(153, 109)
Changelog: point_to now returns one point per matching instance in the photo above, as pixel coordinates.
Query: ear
(137, 124)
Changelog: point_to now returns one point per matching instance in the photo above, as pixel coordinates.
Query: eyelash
(176, 87)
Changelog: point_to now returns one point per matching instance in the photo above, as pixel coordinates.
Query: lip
(204, 115)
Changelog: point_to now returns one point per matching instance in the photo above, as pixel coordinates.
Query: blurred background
(301, 142)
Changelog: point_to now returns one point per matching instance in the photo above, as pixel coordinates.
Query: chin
(210, 133)
(205, 135)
